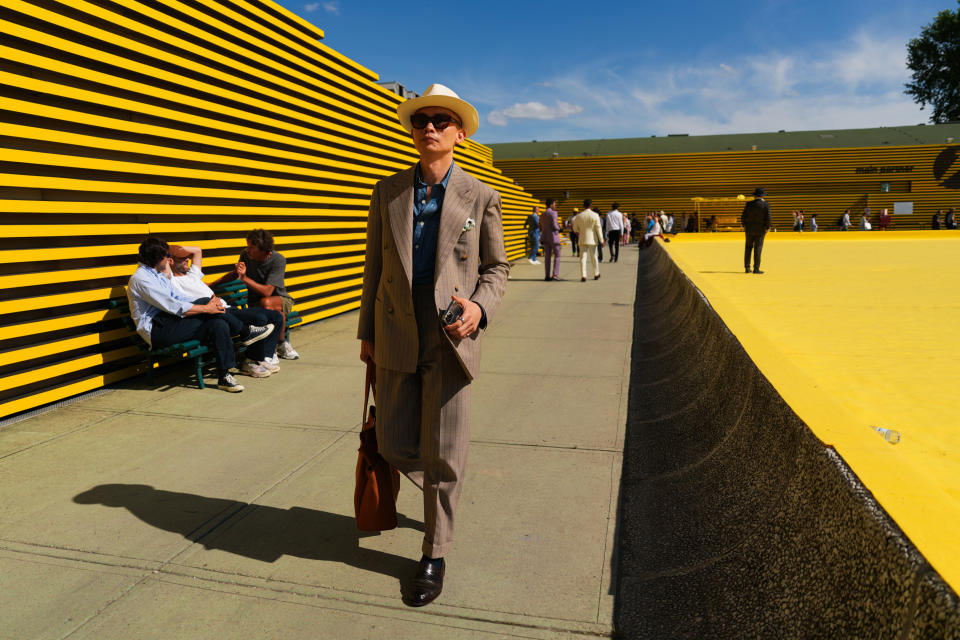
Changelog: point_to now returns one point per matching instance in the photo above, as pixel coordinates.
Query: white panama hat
(438, 95)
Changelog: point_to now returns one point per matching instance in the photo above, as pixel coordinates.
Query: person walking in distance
(435, 271)
(755, 221)
(574, 236)
(550, 238)
(533, 235)
(587, 226)
(614, 231)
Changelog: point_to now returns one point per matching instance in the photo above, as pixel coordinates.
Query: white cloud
(851, 84)
(332, 7)
(310, 8)
(533, 111)
(497, 119)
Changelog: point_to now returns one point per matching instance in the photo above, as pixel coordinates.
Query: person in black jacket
(755, 221)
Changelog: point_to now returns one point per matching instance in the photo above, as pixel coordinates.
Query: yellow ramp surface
(858, 329)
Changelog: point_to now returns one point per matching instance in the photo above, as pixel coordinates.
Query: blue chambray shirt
(426, 225)
(149, 293)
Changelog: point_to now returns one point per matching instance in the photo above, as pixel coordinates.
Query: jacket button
(389, 309)
(456, 287)
(389, 278)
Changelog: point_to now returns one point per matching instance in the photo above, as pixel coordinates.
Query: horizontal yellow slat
(49, 230)
(319, 264)
(72, 253)
(330, 286)
(65, 391)
(63, 275)
(66, 253)
(98, 164)
(55, 324)
(51, 206)
(170, 228)
(42, 182)
(56, 300)
(329, 313)
(338, 273)
(94, 143)
(60, 346)
(60, 368)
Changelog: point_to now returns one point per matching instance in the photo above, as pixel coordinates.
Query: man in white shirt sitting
(187, 278)
(164, 316)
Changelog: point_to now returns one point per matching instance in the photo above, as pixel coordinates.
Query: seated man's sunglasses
(440, 121)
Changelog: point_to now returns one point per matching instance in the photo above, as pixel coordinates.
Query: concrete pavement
(169, 512)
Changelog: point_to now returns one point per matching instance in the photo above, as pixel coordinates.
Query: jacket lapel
(457, 207)
(400, 211)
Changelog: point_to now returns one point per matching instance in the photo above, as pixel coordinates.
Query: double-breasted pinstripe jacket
(470, 263)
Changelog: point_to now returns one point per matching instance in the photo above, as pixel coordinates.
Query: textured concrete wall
(735, 520)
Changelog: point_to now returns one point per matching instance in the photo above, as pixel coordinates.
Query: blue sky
(567, 70)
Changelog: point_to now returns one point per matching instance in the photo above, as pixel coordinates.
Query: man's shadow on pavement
(254, 531)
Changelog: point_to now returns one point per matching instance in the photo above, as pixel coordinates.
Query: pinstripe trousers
(423, 423)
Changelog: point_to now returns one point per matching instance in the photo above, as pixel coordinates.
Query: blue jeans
(534, 240)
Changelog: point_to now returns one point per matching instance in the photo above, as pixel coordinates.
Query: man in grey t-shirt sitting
(262, 270)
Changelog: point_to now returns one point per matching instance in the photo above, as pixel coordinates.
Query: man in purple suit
(550, 240)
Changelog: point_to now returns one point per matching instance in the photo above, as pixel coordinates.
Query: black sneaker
(257, 334)
(227, 383)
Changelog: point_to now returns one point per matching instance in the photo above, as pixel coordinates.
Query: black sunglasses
(440, 121)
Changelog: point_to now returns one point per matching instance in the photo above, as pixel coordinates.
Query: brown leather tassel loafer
(426, 584)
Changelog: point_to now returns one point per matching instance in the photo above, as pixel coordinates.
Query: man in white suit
(434, 236)
(587, 225)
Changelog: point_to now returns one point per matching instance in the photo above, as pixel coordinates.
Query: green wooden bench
(234, 293)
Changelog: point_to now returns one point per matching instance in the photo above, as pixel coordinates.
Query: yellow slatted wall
(194, 120)
(821, 181)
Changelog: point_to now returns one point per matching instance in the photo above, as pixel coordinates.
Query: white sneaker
(269, 366)
(274, 360)
(532, 261)
(254, 370)
(257, 334)
(227, 383)
(285, 351)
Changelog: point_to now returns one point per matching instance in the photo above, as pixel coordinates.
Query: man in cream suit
(434, 235)
(587, 224)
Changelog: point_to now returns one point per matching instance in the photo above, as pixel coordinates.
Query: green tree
(934, 59)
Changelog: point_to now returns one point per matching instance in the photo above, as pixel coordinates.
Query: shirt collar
(418, 180)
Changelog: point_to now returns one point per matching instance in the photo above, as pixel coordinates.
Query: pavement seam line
(152, 568)
(388, 603)
(58, 436)
(285, 425)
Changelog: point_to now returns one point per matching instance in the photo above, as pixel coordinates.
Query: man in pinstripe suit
(434, 235)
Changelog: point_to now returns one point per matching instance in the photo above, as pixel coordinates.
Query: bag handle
(368, 385)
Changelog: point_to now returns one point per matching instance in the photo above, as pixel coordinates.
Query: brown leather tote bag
(378, 483)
